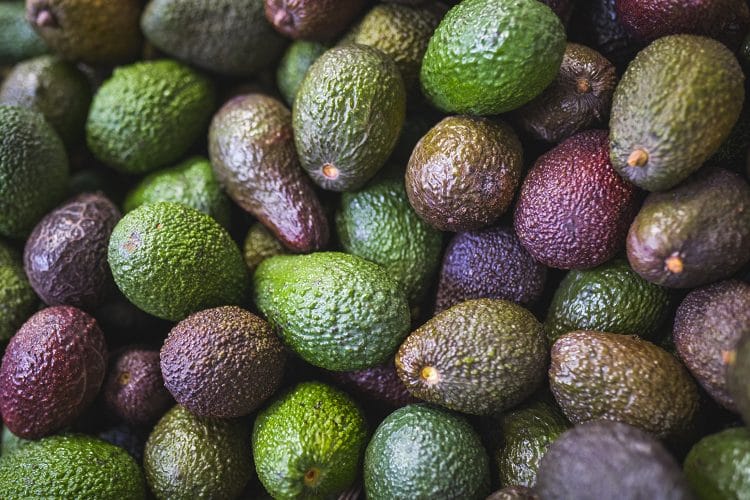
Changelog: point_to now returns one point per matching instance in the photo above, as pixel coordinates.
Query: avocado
(33, 169)
(134, 389)
(18, 40)
(464, 173)
(379, 383)
(298, 58)
(596, 23)
(337, 311)
(348, 115)
(312, 19)
(738, 368)
(578, 99)
(251, 146)
(513, 493)
(424, 452)
(479, 357)
(231, 37)
(488, 263)
(488, 57)
(11, 442)
(17, 298)
(605, 459)
(90, 31)
(189, 457)
(672, 109)
(378, 224)
(718, 466)
(608, 298)
(65, 257)
(171, 260)
(573, 210)
(309, 442)
(130, 439)
(71, 466)
(64, 347)
(695, 234)
(259, 245)
(596, 375)
(160, 106)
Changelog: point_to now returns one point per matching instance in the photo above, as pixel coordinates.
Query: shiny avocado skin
(294, 65)
(718, 466)
(18, 40)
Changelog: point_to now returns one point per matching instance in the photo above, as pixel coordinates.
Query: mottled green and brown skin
(312, 19)
(259, 245)
(718, 466)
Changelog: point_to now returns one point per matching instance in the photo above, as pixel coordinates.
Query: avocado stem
(312, 477)
(674, 263)
(429, 374)
(330, 171)
(638, 158)
(45, 19)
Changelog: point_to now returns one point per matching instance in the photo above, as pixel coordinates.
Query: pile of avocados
(375, 249)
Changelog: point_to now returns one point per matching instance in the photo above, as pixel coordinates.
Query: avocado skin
(424, 452)
(379, 383)
(71, 466)
(488, 263)
(573, 210)
(231, 37)
(348, 113)
(65, 257)
(705, 222)
(312, 19)
(18, 40)
(64, 347)
(717, 466)
(298, 58)
(596, 375)
(737, 376)
(33, 170)
(17, 299)
(463, 174)
(337, 311)
(489, 355)
(251, 146)
(606, 459)
(596, 23)
(513, 493)
(259, 245)
(130, 439)
(677, 102)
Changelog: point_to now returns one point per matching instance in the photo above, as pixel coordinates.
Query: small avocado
(424, 452)
(464, 173)
(188, 457)
(134, 389)
(312, 19)
(309, 442)
(672, 109)
(171, 260)
(348, 115)
(64, 347)
(488, 263)
(18, 40)
(17, 299)
(379, 383)
(479, 357)
(604, 459)
(695, 234)
(718, 466)
(251, 146)
(573, 211)
(596, 375)
(259, 245)
(298, 58)
(513, 493)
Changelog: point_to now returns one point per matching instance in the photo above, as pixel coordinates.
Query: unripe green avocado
(17, 298)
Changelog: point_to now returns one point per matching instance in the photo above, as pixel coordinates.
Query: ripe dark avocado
(231, 37)
(348, 115)
(464, 173)
(260, 244)
(479, 357)
(18, 40)
(251, 146)
(134, 390)
(513, 493)
(130, 439)
(64, 347)
(312, 19)
(697, 233)
(604, 459)
(298, 58)
(379, 383)
(573, 210)
(580, 97)
(718, 466)
(596, 23)
(66, 254)
(17, 298)
(488, 263)
(673, 108)
(608, 376)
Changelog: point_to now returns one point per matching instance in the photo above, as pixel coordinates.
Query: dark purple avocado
(379, 383)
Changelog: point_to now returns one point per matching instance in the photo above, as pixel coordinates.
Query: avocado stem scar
(638, 158)
(429, 374)
(330, 171)
(674, 263)
(728, 357)
(583, 86)
(312, 476)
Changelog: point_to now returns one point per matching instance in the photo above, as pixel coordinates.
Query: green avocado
(718, 466)
(298, 58)
(259, 245)
(17, 298)
(18, 40)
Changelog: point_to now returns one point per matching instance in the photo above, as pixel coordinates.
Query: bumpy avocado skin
(718, 466)
(259, 245)
(298, 58)
(17, 298)
(312, 19)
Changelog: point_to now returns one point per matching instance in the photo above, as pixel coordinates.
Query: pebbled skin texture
(379, 383)
(17, 299)
(337, 311)
(311, 426)
(705, 222)
(312, 19)
(573, 211)
(148, 114)
(489, 356)
(65, 257)
(421, 451)
(222, 362)
(71, 466)
(18, 40)
(171, 260)
(737, 377)
(188, 457)
(596, 375)
(488, 263)
(259, 245)
(134, 389)
(463, 174)
(606, 460)
(718, 466)
(251, 146)
(348, 113)
(64, 347)
(240, 40)
(298, 58)
(678, 121)
(488, 57)
(708, 326)
(513, 493)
